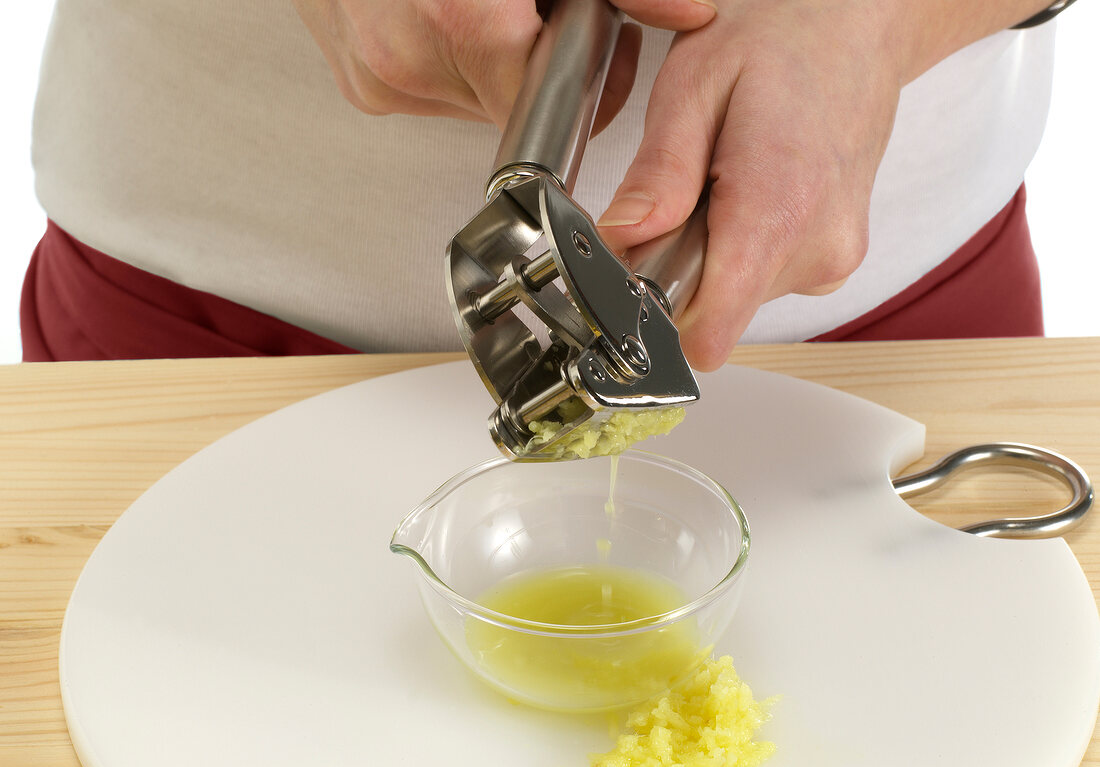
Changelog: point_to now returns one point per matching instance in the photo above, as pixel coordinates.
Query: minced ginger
(613, 436)
(707, 721)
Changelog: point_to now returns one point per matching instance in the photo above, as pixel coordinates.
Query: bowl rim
(638, 625)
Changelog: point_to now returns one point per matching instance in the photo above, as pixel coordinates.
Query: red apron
(80, 304)
(988, 288)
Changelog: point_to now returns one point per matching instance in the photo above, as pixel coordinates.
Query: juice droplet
(603, 549)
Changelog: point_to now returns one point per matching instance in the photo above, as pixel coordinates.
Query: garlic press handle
(550, 125)
(552, 118)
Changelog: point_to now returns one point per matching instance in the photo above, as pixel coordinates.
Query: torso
(207, 142)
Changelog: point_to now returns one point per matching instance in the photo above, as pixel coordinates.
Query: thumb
(680, 15)
(663, 183)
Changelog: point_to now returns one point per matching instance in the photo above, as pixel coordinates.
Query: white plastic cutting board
(246, 610)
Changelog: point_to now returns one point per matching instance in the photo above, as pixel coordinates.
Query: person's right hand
(460, 58)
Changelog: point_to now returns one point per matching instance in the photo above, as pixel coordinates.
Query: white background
(1063, 204)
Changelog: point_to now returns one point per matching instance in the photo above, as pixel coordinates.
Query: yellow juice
(578, 672)
(603, 545)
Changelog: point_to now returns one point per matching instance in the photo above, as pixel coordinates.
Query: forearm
(943, 27)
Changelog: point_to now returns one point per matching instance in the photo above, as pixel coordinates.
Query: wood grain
(80, 441)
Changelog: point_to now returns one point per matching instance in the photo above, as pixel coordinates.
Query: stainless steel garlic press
(558, 327)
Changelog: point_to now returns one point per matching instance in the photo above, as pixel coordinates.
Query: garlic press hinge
(621, 353)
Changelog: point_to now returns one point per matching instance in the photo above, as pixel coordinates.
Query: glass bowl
(566, 593)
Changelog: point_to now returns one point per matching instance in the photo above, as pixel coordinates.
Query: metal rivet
(634, 351)
(596, 371)
(582, 243)
(643, 315)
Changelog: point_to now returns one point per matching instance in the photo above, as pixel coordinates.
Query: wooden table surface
(80, 441)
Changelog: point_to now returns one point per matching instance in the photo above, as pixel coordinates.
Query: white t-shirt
(206, 142)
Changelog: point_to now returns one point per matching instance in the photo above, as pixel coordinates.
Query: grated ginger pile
(614, 435)
(708, 721)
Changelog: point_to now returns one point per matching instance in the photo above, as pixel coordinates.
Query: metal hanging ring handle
(1011, 453)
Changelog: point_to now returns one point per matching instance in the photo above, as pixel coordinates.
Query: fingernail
(628, 209)
(707, 3)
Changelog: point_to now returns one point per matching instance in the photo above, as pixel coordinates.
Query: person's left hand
(786, 108)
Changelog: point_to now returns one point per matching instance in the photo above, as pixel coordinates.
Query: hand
(462, 58)
(786, 108)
